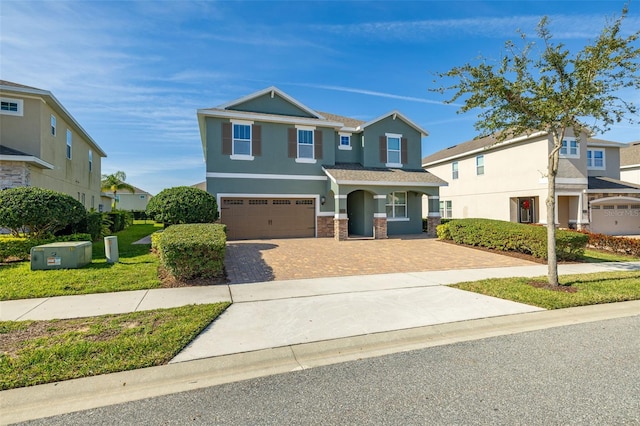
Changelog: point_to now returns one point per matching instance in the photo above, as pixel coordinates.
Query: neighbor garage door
(252, 218)
(616, 218)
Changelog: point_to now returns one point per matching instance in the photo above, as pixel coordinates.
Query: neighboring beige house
(507, 181)
(200, 185)
(133, 201)
(630, 163)
(42, 145)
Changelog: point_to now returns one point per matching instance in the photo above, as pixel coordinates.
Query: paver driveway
(286, 259)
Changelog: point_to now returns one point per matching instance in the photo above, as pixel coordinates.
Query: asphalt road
(587, 374)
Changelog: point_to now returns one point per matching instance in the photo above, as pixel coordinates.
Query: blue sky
(133, 73)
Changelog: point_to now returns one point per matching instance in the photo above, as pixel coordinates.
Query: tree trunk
(552, 259)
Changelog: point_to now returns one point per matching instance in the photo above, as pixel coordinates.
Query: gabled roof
(630, 155)
(355, 174)
(9, 87)
(348, 122)
(273, 90)
(395, 114)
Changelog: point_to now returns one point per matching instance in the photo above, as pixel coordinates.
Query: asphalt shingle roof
(357, 173)
(630, 155)
(610, 185)
(5, 150)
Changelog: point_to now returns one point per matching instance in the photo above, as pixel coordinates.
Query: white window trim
(313, 145)
(455, 172)
(568, 154)
(90, 161)
(20, 107)
(242, 157)
(477, 166)
(392, 218)
(344, 147)
(604, 162)
(54, 126)
(69, 145)
(399, 137)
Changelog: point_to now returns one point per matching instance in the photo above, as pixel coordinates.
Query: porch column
(433, 216)
(340, 220)
(380, 217)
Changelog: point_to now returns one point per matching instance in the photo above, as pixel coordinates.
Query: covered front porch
(376, 203)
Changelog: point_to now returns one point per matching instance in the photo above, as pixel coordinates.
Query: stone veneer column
(325, 226)
(432, 223)
(14, 174)
(341, 229)
(380, 227)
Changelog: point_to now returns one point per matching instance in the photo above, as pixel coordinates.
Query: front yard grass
(598, 256)
(137, 269)
(591, 289)
(37, 352)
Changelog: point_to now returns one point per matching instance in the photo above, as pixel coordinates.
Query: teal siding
(274, 158)
(372, 133)
(360, 205)
(414, 225)
(346, 156)
(267, 105)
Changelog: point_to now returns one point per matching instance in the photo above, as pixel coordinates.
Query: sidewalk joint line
(295, 358)
(32, 309)
(141, 299)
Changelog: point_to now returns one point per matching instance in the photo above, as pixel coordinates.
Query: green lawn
(137, 269)
(36, 352)
(597, 256)
(592, 289)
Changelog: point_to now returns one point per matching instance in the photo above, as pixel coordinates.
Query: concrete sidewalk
(279, 326)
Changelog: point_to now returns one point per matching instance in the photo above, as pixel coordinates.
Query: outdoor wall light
(323, 200)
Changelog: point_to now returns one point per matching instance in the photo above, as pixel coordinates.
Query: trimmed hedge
(509, 236)
(183, 205)
(191, 251)
(19, 248)
(614, 244)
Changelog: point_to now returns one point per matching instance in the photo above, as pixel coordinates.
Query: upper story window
(69, 141)
(345, 141)
(595, 159)
(454, 170)
(305, 144)
(570, 148)
(397, 205)
(393, 149)
(446, 209)
(241, 139)
(53, 125)
(90, 160)
(9, 106)
(480, 165)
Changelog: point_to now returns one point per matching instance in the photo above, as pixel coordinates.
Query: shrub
(614, 244)
(508, 236)
(193, 250)
(119, 220)
(183, 204)
(19, 248)
(38, 212)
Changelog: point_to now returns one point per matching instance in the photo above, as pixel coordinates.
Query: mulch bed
(169, 281)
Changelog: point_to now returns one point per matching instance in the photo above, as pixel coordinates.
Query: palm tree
(114, 183)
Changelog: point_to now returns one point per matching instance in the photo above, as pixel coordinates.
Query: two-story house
(280, 169)
(133, 201)
(507, 180)
(42, 145)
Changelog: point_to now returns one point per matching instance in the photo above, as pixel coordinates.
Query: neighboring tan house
(507, 181)
(200, 185)
(42, 145)
(280, 169)
(133, 201)
(630, 163)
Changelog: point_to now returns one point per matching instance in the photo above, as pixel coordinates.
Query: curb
(52, 399)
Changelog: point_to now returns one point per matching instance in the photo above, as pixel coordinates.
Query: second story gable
(270, 132)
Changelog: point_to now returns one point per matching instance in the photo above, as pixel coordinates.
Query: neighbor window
(446, 209)
(345, 140)
(570, 149)
(53, 125)
(69, 144)
(305, 143)
(393, 149)
(241, 139)
(454, 170)
(90, 160)
(595, 159)
(480, 165)
(10, 106)
(396, 205)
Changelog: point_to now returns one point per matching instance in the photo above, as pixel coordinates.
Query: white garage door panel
(616, 219)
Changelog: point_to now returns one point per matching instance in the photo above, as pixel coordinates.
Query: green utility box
(67, 255)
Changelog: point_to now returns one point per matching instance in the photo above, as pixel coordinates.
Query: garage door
(253, 218)
(616, 219)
